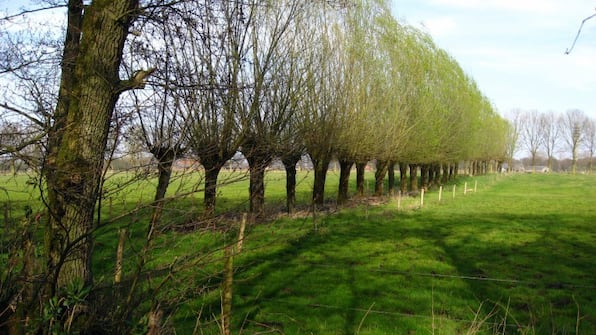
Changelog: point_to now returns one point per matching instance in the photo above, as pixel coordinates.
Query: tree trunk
(344, 180)
(424, 168)
(431, 175)
(436, 174)
(413, 178)
(445, 173)
(360, 170)
(211, 174)
(257, 165)
(380, 173)
(77, 142)
(290, 165)
(321, 166)
(165, 158)
(403, 178)
(391, 178)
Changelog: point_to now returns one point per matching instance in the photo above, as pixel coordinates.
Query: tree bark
(424, 168)
(290, 166)
(321, 166)
(445, 173)
(360, 170)
(380, 173)
(436, 168)
(165, 159)
(89, 89)
(413, 178)
(403, 177)
(211, 175)
(391, 178)
(344, 181)
(257, 165)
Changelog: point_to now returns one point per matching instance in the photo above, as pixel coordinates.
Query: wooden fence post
(120, 256)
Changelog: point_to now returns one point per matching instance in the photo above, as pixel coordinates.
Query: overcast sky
(514, 49)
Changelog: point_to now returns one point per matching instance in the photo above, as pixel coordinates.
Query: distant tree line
(559, 141)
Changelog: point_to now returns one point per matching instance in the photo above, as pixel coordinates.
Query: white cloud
(533, 6)
(439, 26)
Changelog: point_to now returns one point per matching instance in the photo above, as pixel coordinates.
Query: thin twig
(568, 51)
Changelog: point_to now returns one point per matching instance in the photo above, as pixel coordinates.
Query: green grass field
(515, 257)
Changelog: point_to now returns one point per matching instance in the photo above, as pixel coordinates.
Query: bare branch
(568, 51)
(24, 114)
(29, 11)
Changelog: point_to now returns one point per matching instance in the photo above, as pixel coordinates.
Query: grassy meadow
(515, 257)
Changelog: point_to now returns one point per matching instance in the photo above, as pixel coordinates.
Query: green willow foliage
(400, 97)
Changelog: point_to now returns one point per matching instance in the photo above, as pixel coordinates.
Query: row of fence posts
(422, 194)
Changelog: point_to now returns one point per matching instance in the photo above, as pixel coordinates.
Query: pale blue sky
(514, 49)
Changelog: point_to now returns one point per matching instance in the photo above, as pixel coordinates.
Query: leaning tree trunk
(212, 170)
(360, 170)
(290, 162)
(77, 143)
(344, 180)
(321, 165)
(380, 173)
(165, 159)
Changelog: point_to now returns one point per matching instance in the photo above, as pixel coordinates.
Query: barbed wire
(559, 285)
(384, 312)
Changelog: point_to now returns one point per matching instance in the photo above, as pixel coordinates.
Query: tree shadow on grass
(399, 273)
(533, 266)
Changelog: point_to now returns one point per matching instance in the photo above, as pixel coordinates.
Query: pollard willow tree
(159, 126)
(208, 60)
(365, 92)
(271, 77)
(324, 87)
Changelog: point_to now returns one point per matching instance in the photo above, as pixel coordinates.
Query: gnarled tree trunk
(413, 178)
(360, 169)
(321, 165)
(403, 177)
(257, 165)
(380, 173)
(290, 162)
(344, 180)
(89, 89)
(391, 178)
(165, 159)
(424, 168)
